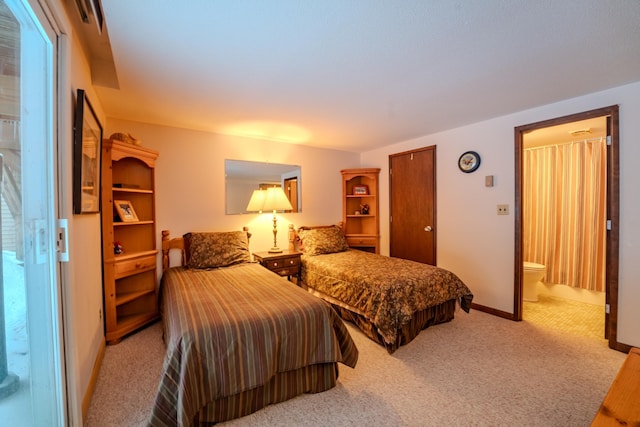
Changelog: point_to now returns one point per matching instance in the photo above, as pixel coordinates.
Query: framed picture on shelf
(360, 190)
(125, 211)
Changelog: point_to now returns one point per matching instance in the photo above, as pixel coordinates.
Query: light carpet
(477, 370)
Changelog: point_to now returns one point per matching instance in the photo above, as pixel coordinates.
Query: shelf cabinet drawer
(284, 267)
(285, 264)
(362, 241)
(134, 266)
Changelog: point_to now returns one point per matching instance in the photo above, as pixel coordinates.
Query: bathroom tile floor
(565, 315)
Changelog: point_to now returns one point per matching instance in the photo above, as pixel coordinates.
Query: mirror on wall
(242, 177)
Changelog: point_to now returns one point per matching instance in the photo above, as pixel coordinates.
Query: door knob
(428, 228)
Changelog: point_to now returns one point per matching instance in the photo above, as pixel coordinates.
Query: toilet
(533, 273)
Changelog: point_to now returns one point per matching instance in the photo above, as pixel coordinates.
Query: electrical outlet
(503, 210)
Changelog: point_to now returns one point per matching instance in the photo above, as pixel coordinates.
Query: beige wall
(82, 276)
(477, 244)
(190, 181)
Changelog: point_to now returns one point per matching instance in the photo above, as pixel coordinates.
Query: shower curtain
(564, 212)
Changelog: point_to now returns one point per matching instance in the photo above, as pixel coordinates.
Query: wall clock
(469, 161)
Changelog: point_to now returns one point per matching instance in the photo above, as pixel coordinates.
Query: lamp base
(275, 250)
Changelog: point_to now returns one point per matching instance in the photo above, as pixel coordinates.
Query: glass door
(32, 391)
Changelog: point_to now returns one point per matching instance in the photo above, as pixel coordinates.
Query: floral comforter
(385, 290)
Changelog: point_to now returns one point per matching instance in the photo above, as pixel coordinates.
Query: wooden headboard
(167, 245)
(293, 238)
(178, 243)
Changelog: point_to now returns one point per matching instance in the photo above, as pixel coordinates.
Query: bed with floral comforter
(390, 299)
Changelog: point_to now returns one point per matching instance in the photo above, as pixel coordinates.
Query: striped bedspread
(232, 329)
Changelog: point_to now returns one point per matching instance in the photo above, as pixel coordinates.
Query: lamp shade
(276, 200)
(271, 199)
(257, 201)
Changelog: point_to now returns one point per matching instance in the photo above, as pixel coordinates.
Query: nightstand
(285, 263)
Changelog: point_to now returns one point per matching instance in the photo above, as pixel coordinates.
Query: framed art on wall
(87, 150)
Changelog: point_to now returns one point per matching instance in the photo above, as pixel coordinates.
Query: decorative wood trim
(517, 250)
(613, 213)
(493, 311)
(613, 235)
(88, 394)
(125, 149)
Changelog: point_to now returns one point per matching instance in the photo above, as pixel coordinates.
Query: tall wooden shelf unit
(129, 278)
(362, 231)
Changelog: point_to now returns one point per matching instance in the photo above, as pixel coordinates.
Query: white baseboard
(574, 294)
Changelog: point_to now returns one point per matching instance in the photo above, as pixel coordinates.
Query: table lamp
(271, 199)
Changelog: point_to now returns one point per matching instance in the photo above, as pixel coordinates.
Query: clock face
(469, 161)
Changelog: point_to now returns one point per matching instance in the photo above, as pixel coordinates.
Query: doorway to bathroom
(566, 218)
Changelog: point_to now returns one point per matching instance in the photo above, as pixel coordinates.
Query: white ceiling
(359, 74)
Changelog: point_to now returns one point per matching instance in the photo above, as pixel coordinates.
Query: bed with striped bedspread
(239, 338)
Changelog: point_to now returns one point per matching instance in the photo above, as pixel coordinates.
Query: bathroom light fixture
(579, 132)
(271, 199)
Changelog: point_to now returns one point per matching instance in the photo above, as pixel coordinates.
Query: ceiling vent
(579, 132)
(90, 7)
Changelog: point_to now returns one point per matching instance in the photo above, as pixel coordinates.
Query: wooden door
(412, 189)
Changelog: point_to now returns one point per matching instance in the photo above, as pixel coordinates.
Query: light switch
(488, 181)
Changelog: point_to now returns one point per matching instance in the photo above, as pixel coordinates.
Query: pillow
(322, 240)
(216, 249)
